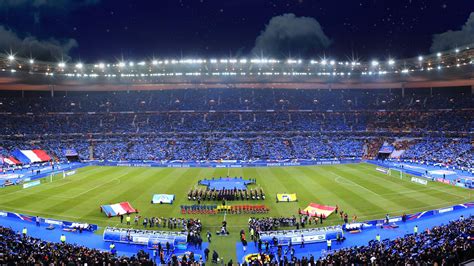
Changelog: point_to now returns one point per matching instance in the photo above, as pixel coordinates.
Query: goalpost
(60, 175)
(388, 171)
(396, 170)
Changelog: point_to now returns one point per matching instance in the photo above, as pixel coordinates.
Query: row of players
(198, 194)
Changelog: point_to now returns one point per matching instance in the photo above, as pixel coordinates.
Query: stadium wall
(226, 164)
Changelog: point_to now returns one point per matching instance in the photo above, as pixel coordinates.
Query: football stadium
(237, 160)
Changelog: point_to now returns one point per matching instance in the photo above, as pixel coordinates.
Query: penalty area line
(350, 182)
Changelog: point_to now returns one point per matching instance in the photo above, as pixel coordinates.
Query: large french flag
(31, 156)
(118, 209)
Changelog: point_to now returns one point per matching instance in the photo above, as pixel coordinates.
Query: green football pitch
(357, 189)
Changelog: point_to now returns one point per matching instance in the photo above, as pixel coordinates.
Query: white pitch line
(354, 184)
(87, 191)
(43, 194)
(405, 192)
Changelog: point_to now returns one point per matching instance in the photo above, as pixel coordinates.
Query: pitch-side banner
(419, 181)
(286, 197)
(163, 198)
(32, 184)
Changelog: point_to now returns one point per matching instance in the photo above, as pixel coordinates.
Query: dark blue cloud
(288, 33)
(453, 39)
(40, 49)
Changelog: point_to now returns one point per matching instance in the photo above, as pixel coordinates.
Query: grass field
(357, 189)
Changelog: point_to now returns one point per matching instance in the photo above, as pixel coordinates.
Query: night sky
(141, 29)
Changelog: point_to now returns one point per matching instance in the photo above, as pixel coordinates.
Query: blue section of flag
(20, 157)
(108, 210)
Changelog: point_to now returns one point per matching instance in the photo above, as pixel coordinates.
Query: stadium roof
(444, 69)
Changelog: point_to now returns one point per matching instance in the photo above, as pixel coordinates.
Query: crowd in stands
(456, 152)
(156, 148)
(235, 99)
(17, 249)
(236, 110)
(245, 124)
(420, 121)
(452, 152)
(448, 244)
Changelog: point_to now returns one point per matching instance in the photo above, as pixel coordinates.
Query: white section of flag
(31, 156)
(118, 209)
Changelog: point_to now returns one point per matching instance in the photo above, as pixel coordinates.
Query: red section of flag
(127, 207)
(44, 157)
(322, 207)
(13, 160)
(315, 209)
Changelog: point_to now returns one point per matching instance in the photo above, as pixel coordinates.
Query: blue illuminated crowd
(415, 122)
(18, 249)
(241, 124)
(448, 244)
(455, 152)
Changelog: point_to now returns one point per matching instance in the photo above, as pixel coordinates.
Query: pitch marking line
(352, 183)
(89, 190)
(68, 197)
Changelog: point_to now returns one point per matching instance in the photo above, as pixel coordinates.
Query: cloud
(291, 34)
(50, 49)
(61, 4)
(452, 39)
